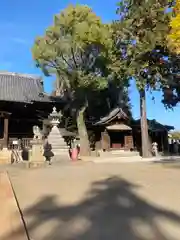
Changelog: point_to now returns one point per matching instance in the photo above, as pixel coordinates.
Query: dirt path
(100, 201)
(10, 218)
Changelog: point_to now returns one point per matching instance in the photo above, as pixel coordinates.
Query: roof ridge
(21, 88)
(26, 75)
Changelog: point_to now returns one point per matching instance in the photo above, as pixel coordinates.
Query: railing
(19, 148)
(26, 143)
(20, 144)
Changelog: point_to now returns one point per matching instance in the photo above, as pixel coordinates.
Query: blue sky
(21, 21)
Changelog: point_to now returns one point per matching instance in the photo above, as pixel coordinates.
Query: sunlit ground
(100, 201)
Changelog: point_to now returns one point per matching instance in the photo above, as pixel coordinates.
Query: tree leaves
(147, 24)
(174, 35)
(76, 46)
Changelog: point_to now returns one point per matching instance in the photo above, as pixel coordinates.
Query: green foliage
(141, 30)
(171, 91)
(76, 47)
(147, 24)
(76, 50)
(175, 135)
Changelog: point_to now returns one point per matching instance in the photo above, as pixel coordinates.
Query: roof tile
(21, 88)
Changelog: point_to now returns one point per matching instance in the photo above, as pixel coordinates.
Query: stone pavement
(10, 218)
(87, 201)
(132, 159)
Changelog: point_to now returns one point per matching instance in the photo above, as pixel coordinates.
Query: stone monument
(36, 158)
(55, 138)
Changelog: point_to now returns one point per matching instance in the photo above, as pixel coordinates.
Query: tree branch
(72, 51)
(65, 60)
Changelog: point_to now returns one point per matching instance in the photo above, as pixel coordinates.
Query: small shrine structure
(114, 131)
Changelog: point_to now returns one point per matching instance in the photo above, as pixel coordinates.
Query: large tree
(75, 48)
(141, 30)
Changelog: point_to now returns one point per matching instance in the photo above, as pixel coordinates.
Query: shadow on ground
(169, 163)
(110, 210)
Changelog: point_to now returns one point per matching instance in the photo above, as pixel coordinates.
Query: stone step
(60, 147)
(56, 138)
(116, 159)
(126, 155)
(65, 150)
(57, 142)
(61, 158)
(119, 154)
(60, 152)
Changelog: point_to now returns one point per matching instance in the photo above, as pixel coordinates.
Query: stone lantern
(55, 138)
(55, 117)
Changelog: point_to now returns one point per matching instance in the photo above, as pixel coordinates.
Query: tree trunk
(146, 150)
(82, 131)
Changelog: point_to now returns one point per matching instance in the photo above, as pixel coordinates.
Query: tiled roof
(16, 87)
(153, 125)
(116, 112)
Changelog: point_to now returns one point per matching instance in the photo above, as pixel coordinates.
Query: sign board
(128, 142)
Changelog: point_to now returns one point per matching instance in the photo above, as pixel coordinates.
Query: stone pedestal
(5, 156)
(36, 158)
(59, 146)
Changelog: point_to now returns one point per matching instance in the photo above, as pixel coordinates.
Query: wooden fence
(15, 143)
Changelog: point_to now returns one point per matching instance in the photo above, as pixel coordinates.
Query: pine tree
(143, 28)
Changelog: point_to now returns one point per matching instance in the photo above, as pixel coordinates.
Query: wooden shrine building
(118, 131)
(157, 133)
(114, 131)
(23, 104)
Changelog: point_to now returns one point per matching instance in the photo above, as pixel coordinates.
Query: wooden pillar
(126, 144)
(132, 140)
(6, 125)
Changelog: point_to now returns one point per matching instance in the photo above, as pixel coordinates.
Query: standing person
(176, 148)
(48, 154)
(78, 148)
(155, 149)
